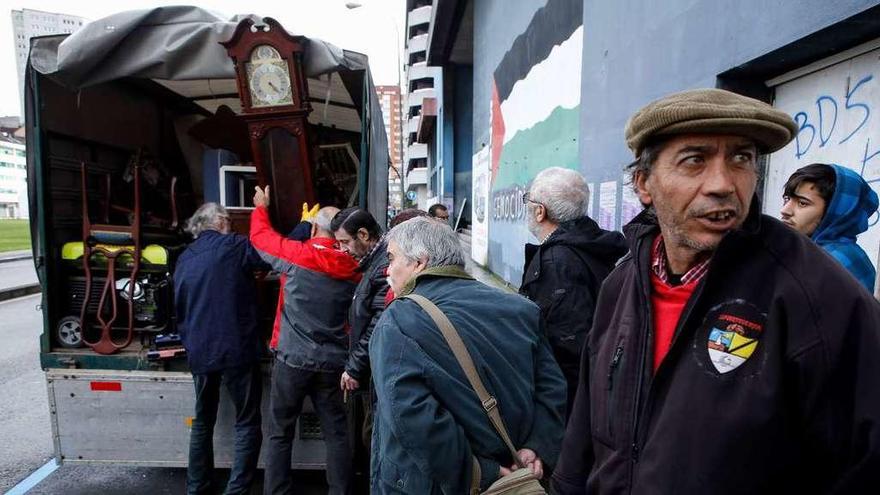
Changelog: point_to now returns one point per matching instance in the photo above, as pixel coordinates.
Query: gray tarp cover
(183, 43)
(178, 43)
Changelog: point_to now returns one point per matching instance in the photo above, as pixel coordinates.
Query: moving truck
(132, 123)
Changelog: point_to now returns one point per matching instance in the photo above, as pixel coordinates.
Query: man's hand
(261, 196)
(530, 460)
(348, 383)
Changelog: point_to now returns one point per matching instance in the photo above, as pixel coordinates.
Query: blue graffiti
(822, 123)
(822, 137)
(857, 105)
(867, 158)
(827, 109)
(801, 126)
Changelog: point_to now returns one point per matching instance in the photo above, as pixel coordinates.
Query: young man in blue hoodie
(832, 204)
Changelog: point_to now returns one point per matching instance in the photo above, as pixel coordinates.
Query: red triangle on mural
(497, 131)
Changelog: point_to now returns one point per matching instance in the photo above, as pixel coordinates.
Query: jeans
(244, 385)
(290, 386)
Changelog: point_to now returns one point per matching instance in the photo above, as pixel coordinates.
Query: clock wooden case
(275, 104)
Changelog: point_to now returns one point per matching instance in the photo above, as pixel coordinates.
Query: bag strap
(476, 475)
(490, 405)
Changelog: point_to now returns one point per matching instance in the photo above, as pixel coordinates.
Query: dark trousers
(244, 386)
(290, 386)
(360, 413)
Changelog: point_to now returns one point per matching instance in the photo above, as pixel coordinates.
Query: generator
(151, 295)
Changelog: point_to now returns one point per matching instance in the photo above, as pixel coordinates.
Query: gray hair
(645, 161)
(425, 238)
(208, 217)
(324, 217)
(563, 192)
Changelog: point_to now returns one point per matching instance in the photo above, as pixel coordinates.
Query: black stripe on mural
(550, 26)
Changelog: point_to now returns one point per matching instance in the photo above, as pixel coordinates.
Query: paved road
(16, 273)
(25, 432)
(25, 438)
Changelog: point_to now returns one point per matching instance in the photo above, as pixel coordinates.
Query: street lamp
(357, 5)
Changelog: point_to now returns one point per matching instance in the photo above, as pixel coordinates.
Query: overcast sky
(369, 29)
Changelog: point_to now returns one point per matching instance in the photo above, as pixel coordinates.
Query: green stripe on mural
(553, 142)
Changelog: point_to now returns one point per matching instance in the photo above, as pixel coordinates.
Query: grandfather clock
(275, 104)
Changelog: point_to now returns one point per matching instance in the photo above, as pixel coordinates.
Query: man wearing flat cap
(728, 353)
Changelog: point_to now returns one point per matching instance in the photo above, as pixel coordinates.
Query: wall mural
(535, 119)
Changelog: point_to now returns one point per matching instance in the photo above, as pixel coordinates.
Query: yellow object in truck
(152, 253)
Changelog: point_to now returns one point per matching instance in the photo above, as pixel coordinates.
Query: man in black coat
(729, 354)
(361, 237)
(564, 271)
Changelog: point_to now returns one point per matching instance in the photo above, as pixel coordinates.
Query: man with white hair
(217, 319)
(431, 433)
(312, 343)
(564, 271)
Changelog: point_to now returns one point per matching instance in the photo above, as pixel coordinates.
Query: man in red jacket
(312, 342)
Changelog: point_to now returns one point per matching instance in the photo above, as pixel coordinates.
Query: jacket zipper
(615, 362)
(612, 371)
(646, 411)
(645, 340)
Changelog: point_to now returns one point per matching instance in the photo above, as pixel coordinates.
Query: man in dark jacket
(217, 320)
(564, 271)
(360, 236)
(728, 353)
(430, 426)
(312, 343)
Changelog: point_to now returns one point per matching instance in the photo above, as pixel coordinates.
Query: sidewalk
(15, 255)
(485, 276)
(17, 275)
(477, 271)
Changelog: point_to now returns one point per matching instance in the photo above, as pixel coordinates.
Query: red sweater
(668, 303)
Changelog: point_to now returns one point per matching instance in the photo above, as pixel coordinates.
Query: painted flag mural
(535, 120)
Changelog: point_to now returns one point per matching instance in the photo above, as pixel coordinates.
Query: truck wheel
(69, 332)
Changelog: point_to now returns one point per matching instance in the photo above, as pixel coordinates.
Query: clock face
(268, 78)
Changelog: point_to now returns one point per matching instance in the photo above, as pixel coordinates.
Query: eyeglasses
(526, 200)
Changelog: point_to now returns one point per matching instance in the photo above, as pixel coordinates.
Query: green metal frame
(364, 169)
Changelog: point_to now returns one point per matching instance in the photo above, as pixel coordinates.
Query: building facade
(13, 177)
(390, 100)
(421, 84)
(554, 82)
(28, 23)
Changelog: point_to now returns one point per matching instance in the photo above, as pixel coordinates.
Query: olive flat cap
(710, 111)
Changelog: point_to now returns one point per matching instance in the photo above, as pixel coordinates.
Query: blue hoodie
(845, 218)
